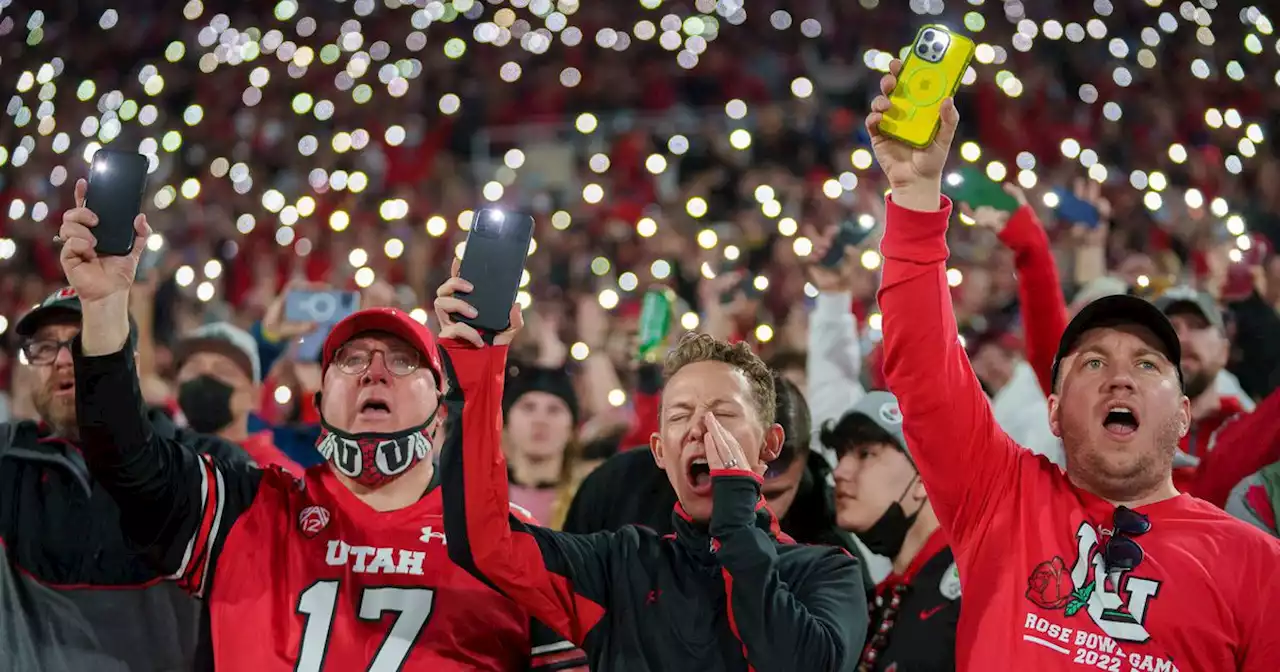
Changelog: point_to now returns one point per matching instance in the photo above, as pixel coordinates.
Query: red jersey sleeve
(561, 579)
(966, 461)
(176, 504)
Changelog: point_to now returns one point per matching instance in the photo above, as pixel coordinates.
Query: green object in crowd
(655, 323)
(970, 184)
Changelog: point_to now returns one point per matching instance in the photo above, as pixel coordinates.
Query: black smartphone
(116, 182)
(742, 287)
(493, 261)
(851, 233)
(319, 307)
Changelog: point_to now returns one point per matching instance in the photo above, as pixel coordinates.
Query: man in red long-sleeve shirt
(1105, 565)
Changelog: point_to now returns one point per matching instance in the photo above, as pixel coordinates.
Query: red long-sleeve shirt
(1044, 309)
(1027, 541)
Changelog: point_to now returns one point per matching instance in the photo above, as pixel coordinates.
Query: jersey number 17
(319, 603)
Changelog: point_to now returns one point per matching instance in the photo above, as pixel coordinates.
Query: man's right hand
(96, 278)
(275, 327)
(915, 175)
(994, 219)
(448, 305)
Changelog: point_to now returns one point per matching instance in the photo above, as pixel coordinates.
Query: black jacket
(736, 595)
(629, 489)
(914, 617)
(64, 561)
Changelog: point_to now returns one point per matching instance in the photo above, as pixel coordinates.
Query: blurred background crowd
(698, 146)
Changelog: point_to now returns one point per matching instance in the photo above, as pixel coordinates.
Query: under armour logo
(429, 533)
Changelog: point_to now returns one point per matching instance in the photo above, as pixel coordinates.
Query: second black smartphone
(851, 233)
(493, 263)
(116, 182)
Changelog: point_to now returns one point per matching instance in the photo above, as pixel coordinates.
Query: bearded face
(54, 382)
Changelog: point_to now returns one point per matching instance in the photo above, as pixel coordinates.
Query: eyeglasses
(1122, 552)
(880, 640)
(45, 351)
(355, 361)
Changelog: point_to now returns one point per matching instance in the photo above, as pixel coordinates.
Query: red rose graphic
(1050, 584)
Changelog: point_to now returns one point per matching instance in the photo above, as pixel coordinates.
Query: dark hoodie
(630, 489)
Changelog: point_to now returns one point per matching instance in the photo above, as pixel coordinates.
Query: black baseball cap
(1115, 310)
(62, 304)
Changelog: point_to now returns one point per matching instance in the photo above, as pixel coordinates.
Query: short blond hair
(695, 348)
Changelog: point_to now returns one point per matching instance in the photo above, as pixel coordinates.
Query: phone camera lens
(928, 36)
(322, 307)
(938, 47)
(923, 50)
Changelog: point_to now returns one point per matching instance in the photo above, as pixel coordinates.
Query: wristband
(270, 336)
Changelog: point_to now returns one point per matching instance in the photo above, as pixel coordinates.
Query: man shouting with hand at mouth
(727, 591)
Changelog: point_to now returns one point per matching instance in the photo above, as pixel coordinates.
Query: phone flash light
(100, 167)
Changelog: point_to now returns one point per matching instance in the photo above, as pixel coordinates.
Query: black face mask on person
(886, 535)
(206, 403)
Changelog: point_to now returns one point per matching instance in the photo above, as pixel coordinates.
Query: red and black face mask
(374, 459)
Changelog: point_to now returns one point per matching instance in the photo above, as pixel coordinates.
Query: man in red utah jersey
(1104, 566)
(345, 569)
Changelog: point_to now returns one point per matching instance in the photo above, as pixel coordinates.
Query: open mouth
(375, 407)
(1121, 420)
(65, 386)
(700, 473)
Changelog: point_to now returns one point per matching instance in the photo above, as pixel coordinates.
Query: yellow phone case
(927, 78)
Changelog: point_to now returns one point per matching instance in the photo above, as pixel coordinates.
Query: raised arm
(175, 505)
(1044, 310)
(834, 361)
(966, 461)
(561, 579)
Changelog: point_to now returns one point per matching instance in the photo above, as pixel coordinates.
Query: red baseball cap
(388, 320)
